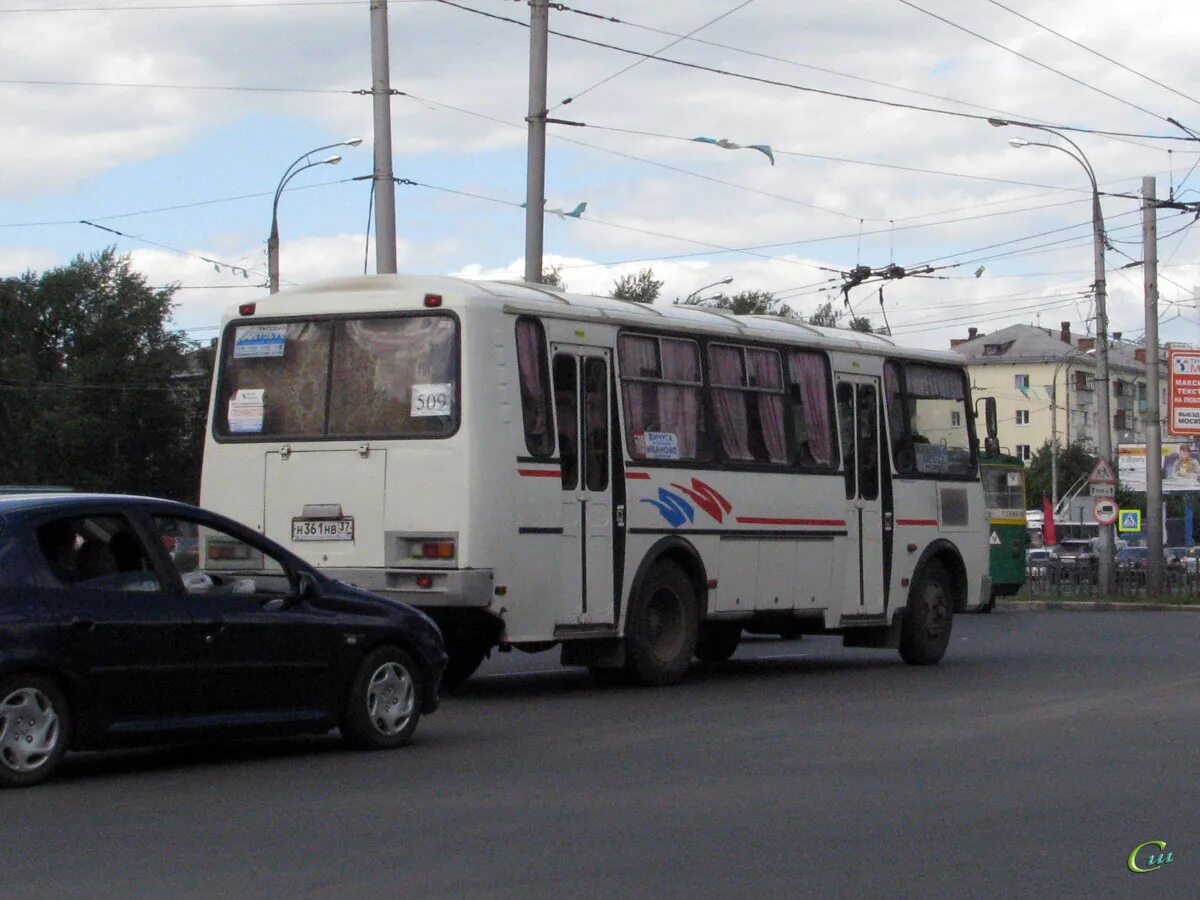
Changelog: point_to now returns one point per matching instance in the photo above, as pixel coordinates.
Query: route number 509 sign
(432, 399)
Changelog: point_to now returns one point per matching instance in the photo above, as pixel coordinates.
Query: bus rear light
(424, 581)
(247, 309)
(432, 301)
(433, 550)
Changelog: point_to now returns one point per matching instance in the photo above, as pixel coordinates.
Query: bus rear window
(384, 376)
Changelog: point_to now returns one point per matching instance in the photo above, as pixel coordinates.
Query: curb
(1093, 606)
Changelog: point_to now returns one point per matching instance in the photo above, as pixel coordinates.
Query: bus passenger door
(582, 408)
(863, 561)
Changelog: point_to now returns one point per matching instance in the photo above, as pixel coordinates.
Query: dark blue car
(110, 635)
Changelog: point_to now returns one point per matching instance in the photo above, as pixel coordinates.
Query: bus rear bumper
(424, 587)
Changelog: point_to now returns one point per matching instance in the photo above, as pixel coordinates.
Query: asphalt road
(1030, 763)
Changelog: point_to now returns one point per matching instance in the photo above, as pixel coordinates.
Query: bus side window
(566, 410)
(535, 389)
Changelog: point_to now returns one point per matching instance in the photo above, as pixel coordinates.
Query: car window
(96, 553)
(216, 562)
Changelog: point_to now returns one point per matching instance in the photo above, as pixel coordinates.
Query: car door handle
(78, 624)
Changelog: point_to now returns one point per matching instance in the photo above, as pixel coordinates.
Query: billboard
(1180, 467)
(1183, 392)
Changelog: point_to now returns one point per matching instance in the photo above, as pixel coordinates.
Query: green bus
(1003, 479)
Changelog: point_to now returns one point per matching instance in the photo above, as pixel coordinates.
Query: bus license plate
(322, 529)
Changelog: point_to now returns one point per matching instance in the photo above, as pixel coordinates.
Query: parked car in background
(1190, 560)
(116, 629)
(1174, 558)
(1132, 563)
(1037, 563)
(1075, 560)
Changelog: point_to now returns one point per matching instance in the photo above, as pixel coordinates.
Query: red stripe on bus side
(758, 520)
(637, 476)
(932, 522)
(539, 473)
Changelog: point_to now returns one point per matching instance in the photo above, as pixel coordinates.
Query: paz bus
(1003, 479)
(634, 484)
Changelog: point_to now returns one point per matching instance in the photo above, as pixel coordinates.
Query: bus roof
(378, 293)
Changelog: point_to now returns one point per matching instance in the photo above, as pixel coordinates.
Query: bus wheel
(464, 659)
(925, 631)
(718, 641)
(661, 632)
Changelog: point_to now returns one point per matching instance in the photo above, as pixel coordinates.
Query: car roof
(21, 505)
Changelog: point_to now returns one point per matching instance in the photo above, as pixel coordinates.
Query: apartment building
(1045, 383)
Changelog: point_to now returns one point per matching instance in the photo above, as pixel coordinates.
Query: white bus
(637, 484)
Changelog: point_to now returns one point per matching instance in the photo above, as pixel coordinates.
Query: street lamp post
(1104, 433)
(291, 172)
(698, 291)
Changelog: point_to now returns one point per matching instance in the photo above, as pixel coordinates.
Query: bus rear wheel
(662, 628)
(925, 630)
(465, 658)
(718, 641)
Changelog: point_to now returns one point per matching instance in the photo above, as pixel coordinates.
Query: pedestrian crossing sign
(1131, 520)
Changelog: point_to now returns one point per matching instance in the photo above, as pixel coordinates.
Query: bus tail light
(246, 309)
(433, 550)
(424, 581)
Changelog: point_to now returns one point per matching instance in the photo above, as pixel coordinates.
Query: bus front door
(583, 414)
(858, 421)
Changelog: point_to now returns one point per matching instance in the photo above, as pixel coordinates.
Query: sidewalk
(1094, 606)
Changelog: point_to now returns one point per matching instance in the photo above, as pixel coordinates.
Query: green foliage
(553, 277)
(94, 390)
(829, 317)
(640, 288)
(745, 303)
(1075, 460)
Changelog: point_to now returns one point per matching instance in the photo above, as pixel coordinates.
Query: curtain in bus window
(535, 399)
(679, 407)
(293, 382)
(729, 405)
(809, 381)
(764, 371)
(902, 452)
(394, 376)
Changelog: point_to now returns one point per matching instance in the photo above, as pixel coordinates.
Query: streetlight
(291, 172)
(1103, 434)
(698, 291)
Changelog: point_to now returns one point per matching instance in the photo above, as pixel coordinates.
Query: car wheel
(384, 703)
(925, 630)
(718, 641)
(661, 631)
(34, 725)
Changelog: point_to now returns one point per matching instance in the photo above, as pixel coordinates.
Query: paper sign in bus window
(662, 445)
(246, 411)
(253, 341)
(432, 399)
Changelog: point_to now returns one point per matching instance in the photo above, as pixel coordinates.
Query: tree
(95, 392)
(829, 317)
(1075, 461)
(744, 303)
(552, 277)
(640, 288)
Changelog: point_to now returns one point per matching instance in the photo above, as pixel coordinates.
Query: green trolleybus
(1003, 479)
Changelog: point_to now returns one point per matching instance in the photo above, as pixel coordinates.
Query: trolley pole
(385, 184)
(535, 177)
(1154, 496)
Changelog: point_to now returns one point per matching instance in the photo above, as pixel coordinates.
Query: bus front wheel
(925, 630)
(662, 628)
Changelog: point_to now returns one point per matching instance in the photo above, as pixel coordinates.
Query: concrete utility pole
(535, 176)
(1154, 495)
(1103, 406)
(385, 185)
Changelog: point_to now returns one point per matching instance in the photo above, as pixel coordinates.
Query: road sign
(1103, 490)
(1106, 511)
(1131, 520)
(1102, 472)
(1183, 392)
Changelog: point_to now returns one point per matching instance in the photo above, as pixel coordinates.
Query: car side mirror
(306, 586)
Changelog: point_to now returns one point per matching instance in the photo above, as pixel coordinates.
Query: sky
(168, 124)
